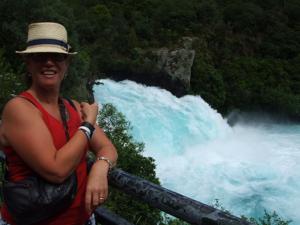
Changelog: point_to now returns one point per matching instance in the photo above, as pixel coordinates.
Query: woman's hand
(97, 186)
(89, 112)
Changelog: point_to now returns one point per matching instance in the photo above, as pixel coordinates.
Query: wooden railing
(173, 203)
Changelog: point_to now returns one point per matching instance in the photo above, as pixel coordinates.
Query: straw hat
(47, 37)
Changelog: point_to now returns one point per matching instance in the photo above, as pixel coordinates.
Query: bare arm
(25, 130)
(97, 185)
(100, 145)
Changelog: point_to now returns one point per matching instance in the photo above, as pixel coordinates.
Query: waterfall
(248, 168)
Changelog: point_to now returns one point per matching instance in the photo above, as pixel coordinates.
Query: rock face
(177, 63)
(166, 68)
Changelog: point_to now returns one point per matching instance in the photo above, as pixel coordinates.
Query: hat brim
(45, 49)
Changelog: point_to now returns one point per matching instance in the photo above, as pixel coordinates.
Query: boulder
(164, 67)
(177, 63)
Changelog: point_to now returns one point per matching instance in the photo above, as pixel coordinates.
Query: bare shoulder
(18, 109)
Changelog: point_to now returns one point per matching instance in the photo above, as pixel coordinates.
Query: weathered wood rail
(173, 203)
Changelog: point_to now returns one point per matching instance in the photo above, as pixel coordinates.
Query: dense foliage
(247, 52)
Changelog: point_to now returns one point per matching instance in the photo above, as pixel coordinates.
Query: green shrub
(130, 160)
(269, 219)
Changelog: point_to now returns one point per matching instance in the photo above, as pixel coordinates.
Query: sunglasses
(44, 57)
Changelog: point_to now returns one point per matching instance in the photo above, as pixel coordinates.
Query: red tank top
(76, 213)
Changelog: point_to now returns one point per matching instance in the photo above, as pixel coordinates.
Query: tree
(207, 82)
(244, 17)
(10, 83)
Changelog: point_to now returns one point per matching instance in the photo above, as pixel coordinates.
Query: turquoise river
(249, 167)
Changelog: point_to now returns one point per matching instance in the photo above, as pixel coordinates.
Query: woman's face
(47, 69)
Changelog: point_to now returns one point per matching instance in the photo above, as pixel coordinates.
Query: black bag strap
(63, 114)
(71, 103)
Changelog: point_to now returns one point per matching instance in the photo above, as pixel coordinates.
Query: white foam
(248, 168)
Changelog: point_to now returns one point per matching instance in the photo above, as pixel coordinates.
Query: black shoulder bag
(34, 199)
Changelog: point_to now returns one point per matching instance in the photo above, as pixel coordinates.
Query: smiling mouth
(49, 73)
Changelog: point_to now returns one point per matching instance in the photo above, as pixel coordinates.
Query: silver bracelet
(110, 164)
(86, 131)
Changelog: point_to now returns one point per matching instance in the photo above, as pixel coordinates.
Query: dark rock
(169, 68)
(177, 63)
(162, 80)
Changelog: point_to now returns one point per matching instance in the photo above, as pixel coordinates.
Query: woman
(33, 133)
